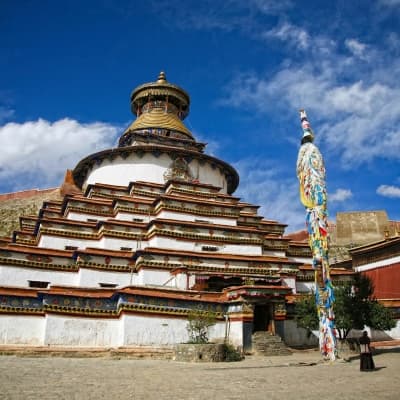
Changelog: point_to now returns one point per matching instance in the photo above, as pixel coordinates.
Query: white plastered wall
(235, 332)
(82, 332)
(92, 278)
(106, 242)
(165, 214)
(186, 245)
(19, 276)
(59, 242)
(153, 330)
(155, 277)
(290, 282)
(75, 216)
(128, 330)
(149, 168)
(22, 330)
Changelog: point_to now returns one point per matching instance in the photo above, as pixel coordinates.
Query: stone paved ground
(298, 376)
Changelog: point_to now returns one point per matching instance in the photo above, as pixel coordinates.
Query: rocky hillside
(29, 202)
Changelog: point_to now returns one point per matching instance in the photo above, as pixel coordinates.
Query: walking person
(366, 360)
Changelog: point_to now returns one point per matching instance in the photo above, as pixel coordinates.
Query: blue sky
(67, 70)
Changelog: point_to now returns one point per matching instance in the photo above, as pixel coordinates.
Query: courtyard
(301, 375)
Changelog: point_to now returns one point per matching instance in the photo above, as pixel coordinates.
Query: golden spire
(161, 77)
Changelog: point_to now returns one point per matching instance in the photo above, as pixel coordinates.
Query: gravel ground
(299, 376)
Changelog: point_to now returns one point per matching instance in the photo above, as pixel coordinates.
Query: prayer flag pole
(311, 174)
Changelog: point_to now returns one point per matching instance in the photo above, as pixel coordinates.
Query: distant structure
(142, 234)
(369, 243)
(358, 228)
(311, 174)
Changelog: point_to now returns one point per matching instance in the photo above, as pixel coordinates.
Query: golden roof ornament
(160, 90)
(161, 77)
(162, 106)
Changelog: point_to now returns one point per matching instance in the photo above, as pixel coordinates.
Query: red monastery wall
(386, 281)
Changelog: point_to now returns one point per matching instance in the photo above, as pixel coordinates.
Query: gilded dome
(160, 105)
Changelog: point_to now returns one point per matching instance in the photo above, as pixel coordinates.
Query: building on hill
(141, 235)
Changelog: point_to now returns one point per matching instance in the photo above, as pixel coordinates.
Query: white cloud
(358, 98)
(393, 41)
(388, 191)
(290, 34)
(269, 6)
(229, 15)
(357, 48)
(37, 153)
(355, 110)
(261, 183)
(340, 195)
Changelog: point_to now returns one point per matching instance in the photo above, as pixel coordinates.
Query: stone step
(265, 343)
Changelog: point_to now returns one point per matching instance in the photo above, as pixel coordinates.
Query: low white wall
(395, 332)
(82, 332)
(235, 333)
(129, 330)
(153, 330)
(378, 336)
(295, 336)
(22, 330)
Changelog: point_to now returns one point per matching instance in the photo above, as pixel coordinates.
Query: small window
(92, 220)
(71, 247)
(209, 248)
(38, 284)
(126, 248)
(137, 219)
(202, 221)
(108, 285)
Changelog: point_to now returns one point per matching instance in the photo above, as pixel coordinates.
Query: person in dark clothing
(366, 360)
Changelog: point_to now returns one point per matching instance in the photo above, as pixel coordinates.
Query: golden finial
(161, 77)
